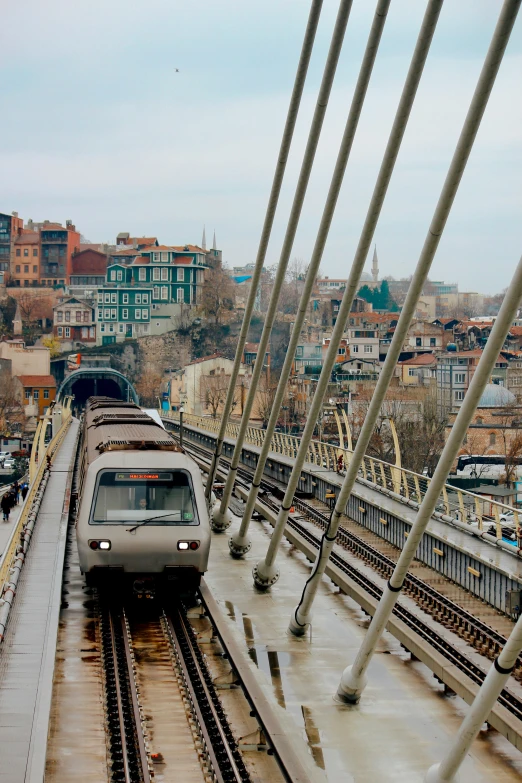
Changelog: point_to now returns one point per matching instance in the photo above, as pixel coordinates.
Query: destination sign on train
(144, 476)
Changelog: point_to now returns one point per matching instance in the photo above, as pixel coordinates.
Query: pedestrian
(16, 492)
(5, 504)
(25, 490)
(340, 463)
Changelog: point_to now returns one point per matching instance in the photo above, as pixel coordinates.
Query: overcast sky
(98, 127)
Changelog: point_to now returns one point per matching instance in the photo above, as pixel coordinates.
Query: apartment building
(25, 266)
(10, 228)
(74, 323)
(59, 244)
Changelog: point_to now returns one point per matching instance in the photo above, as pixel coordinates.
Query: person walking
(5, 505)
(24, 490)
(16, 492)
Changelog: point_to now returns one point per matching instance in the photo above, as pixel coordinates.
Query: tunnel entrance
(89, 382)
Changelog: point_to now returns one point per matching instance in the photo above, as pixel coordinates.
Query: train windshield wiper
(151, 519)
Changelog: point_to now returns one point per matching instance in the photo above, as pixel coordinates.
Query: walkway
(28, 651)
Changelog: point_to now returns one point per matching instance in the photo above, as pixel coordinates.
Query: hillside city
(168, 316)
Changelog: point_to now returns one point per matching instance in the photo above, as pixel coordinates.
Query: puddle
(270, 662)
(313, 736)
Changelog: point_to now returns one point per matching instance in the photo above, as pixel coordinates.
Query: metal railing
(37, 468)
(455, 504)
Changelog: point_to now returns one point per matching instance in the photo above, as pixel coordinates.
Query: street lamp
(285, 408)
(181, 412)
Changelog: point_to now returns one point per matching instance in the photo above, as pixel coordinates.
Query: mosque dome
(366, 277)
(495, 396)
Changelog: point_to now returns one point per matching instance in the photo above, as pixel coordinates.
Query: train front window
(127, 497)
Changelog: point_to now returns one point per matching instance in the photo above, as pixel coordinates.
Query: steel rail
(286, 141)
(282, 747)
(221, 747)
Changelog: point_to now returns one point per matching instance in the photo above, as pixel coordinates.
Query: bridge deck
(28, 651)
(404, 722)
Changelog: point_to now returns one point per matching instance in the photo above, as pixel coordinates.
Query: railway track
(477, 633)
(214, 745)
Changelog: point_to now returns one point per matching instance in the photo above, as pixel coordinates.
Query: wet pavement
(404, 721)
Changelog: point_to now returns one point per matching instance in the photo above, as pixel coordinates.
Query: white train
(142, 515)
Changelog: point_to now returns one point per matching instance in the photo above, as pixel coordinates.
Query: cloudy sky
(98, 127)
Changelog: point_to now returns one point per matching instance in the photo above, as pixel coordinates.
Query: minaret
(375, 266)
(17, 322)
(214, 246)
(204, 240)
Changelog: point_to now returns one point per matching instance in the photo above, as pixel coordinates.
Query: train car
(142, 517)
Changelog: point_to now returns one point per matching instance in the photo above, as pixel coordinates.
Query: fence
(455, 504)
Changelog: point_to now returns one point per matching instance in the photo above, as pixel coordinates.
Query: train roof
(112, 425)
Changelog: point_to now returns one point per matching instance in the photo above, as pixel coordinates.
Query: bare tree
(11, 409)
(213, 392)
(149, 389)
(509, 424)
(218, 294)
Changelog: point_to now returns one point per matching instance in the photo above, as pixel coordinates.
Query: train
(142, 520)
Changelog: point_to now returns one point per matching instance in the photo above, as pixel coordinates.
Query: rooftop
(422, 359)
(495, 396)
(28, 238)
(37, 380)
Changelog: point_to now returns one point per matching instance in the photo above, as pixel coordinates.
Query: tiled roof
(28, 238)
(53, 227)
(516, 331)
(206, 358)
(422, 359)
(36, 380)
(89, 262)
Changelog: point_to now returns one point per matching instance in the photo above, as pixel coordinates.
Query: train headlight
(105, 545)
(182, 545)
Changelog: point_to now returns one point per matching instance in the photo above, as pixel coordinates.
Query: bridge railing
(406, 485)
(14, 554)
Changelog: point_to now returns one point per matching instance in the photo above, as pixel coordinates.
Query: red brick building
(59, 244)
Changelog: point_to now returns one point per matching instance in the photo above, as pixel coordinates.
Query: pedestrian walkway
(28, 651)
(7, 527)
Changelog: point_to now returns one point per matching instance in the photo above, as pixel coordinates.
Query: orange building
(25, 266)
(37, 390)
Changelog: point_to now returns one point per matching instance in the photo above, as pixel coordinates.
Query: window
(142, 274)
(180, 296)
(18, 251)
(60, 331)
(113, 299)
(412, 372)
(138, 299)
(107, 314)
(492, 439)
(368, 348)
(113, 274)
(156, 292)
(125, 314)
(113, 312)
(35, 270)
(479, 420)
(119, 497)
(27, 393)
(18, 268)
(342, 351)
(145, 314)
(46, 394)
(460, 377)
(92, 332)
(459, 396)
(59, 316)
(26, 268)
(35, 251)
(155, 256)
(121, 328)
(355, 349)
(100, 315)
(137, 314)
(100, 297)
(119, 275)
(145, 298)
(67, 331)
(26, 251)
(111, 327)
(67, 316)
(418, 341)
(164, 256)
(107, 298)
(155, 274)
(299, 350)
(433, 342)
(165, 292)
(125, 299)
(36, 394)
(181, 275)
(164, 274)
(102, 328)
(85, 332)
(86, 317)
